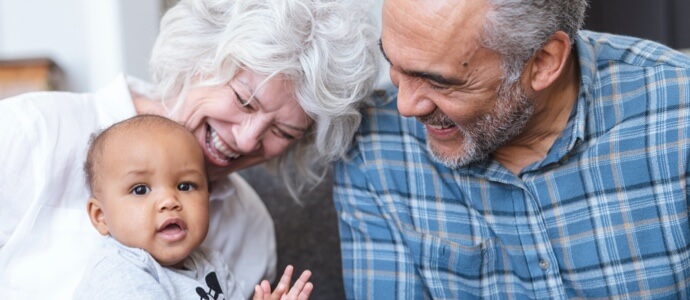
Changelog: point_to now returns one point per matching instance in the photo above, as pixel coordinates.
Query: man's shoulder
(609, 48)
(383, 129)
(381, 100)
(383, 96)
(380, 112)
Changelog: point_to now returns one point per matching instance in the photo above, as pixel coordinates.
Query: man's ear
(549, 62)
(93, 207)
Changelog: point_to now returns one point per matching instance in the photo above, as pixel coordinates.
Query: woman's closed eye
(282, 134)
(140, 189)
(242, 103)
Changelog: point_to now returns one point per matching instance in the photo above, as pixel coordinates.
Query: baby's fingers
(258, 293)
(302, 287)
(306, 292)
(262, 291)
(283, 285)
(284, 282)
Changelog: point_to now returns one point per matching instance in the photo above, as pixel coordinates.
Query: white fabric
(46, 237)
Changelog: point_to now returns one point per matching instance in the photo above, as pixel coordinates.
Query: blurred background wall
(91, 41)
(664, 21)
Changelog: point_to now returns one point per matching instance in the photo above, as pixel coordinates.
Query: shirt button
(544, 264)
(564, 159)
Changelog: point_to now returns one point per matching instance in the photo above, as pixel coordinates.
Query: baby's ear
(93, 207)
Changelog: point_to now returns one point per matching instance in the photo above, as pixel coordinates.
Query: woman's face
(244, 122)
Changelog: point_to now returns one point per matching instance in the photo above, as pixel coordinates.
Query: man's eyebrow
(431, 76)
(438, 78)
(383, 52)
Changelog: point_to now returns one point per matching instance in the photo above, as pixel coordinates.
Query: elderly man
(527, 159)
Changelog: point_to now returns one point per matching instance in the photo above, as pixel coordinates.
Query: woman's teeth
(220, 145)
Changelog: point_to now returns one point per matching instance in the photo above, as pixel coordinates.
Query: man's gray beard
(491, 131)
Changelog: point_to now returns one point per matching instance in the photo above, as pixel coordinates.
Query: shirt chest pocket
(451, 270)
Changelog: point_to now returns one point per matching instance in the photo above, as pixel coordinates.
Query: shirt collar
(382, 96)
(574, 132)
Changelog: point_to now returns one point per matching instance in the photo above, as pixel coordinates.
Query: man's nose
(412, 101)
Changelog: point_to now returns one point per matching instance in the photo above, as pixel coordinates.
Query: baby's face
(154, 192)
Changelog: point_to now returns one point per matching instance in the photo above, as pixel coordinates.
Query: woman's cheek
(276, 147)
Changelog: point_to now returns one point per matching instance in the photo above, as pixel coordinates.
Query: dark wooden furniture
(19, 76)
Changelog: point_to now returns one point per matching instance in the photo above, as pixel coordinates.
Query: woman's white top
(46, 237)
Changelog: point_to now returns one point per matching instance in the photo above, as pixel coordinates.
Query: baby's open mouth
(173, 229)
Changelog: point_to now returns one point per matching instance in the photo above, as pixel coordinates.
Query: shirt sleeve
(16, 171)
(369, 257)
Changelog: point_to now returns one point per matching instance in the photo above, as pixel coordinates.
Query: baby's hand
(300, 291)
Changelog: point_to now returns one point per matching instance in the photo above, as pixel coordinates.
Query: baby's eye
(186, 186)
(140, 189)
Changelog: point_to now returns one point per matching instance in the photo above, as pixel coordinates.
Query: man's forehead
(451, 13)
(451, 22)
(431, 43)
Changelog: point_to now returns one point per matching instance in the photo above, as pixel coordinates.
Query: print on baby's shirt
(214, 290)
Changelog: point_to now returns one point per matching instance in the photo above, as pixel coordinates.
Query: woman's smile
(219, 151)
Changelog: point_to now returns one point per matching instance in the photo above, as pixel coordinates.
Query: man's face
(449, 81)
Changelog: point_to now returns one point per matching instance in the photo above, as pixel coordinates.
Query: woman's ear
(550, 61)
(93, 207)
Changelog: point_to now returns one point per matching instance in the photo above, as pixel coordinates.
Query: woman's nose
(248, 135)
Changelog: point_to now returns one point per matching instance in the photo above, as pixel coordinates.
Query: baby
(150, 198)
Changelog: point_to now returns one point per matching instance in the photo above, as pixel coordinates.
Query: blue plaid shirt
(604, 214)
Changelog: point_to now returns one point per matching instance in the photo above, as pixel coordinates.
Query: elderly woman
(254, 80)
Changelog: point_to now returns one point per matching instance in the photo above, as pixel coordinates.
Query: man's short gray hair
(516, 29)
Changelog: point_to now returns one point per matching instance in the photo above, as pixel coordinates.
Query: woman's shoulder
(59, 110)
(39, 104)
(46, 117)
